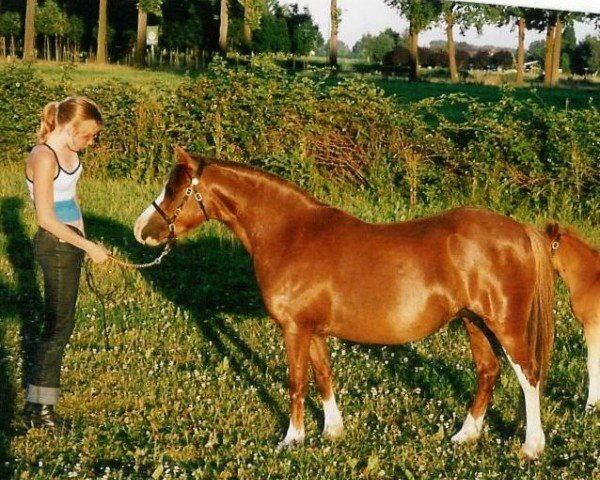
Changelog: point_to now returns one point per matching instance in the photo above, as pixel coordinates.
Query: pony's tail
(540, 327)
(48, 123)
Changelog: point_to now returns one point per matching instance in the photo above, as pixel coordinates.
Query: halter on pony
(194, 181)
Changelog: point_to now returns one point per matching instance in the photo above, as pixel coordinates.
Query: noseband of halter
(191, 189)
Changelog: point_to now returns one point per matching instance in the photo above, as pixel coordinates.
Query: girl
(52, 171)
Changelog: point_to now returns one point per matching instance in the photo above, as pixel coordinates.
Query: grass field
(194, 384)
(566, 96)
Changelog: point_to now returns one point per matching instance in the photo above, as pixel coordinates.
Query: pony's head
(179, 208)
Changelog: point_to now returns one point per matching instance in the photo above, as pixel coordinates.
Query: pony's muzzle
(141, 236)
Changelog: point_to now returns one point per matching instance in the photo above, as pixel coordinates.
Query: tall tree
(102, 25)
(140, 43)
(521, 17)
(144, 8)
(374, 48)
(336, 16)
(420, 14)
(51, 21)
(253, 11)
(553, 22)
(73, 35)
(223, 26)
(29, 42)
(465, 16)
(10, 27)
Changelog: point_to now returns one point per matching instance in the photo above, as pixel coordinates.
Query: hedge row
(508, 154)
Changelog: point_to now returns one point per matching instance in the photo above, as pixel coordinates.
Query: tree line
(112, 29)
(422, 14)
(389, 48)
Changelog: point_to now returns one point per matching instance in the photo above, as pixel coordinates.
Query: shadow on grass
(23, 302)
(436, 378)
(207, 278)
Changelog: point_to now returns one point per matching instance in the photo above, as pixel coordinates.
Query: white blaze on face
(142, 220)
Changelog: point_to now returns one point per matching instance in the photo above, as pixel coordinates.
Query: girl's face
(82, 135)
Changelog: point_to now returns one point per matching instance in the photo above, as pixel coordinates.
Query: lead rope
(117, 287)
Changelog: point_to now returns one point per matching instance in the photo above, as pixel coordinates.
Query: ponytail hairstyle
(72, 110)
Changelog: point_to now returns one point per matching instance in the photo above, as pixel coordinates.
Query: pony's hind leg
(529, 379)
(297, 343)
(592, 337)
(488, 369)
(319, 358)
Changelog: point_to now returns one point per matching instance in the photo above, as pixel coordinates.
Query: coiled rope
(115, 288)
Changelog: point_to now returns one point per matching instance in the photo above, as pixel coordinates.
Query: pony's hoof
(465, 435)
(333, 432)
(288, 444)
(531, 450)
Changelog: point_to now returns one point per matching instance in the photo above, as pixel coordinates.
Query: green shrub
(507, 155)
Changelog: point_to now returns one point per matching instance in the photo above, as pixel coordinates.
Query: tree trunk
(29, 43)
(521, 54)
(556, 52)
(549, 54)
(247, 31)
(413, 52)
(333, 38)
(451, 47)
(101, 47)
(140, 44)
(224, 25)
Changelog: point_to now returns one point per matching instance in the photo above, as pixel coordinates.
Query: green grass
(195, 384)
(86, 75)
(407, 92)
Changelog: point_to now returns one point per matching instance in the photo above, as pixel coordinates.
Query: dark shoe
(38, 415)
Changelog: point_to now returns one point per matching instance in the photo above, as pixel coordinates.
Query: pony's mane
(577, 236)
(263, 177)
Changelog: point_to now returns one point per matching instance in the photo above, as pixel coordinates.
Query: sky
(360, 17)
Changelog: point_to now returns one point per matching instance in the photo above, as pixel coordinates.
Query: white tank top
(64, 184)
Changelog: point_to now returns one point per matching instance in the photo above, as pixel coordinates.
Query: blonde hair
(71, 109)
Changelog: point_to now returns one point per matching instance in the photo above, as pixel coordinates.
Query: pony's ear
(552, 229)
(183, 157)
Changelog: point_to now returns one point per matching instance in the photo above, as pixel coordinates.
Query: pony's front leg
(592, 337)
(319, 358)
(297, 343)
(488, 368)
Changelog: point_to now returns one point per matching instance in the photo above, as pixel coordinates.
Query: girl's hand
(98, 253)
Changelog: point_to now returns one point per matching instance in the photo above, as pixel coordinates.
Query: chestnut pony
(323, 272)
(578, 264)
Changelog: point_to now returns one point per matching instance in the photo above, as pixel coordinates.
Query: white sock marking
(471, 429)
(535, 440)
(334, 425)
(292, 436)
(593, 364)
